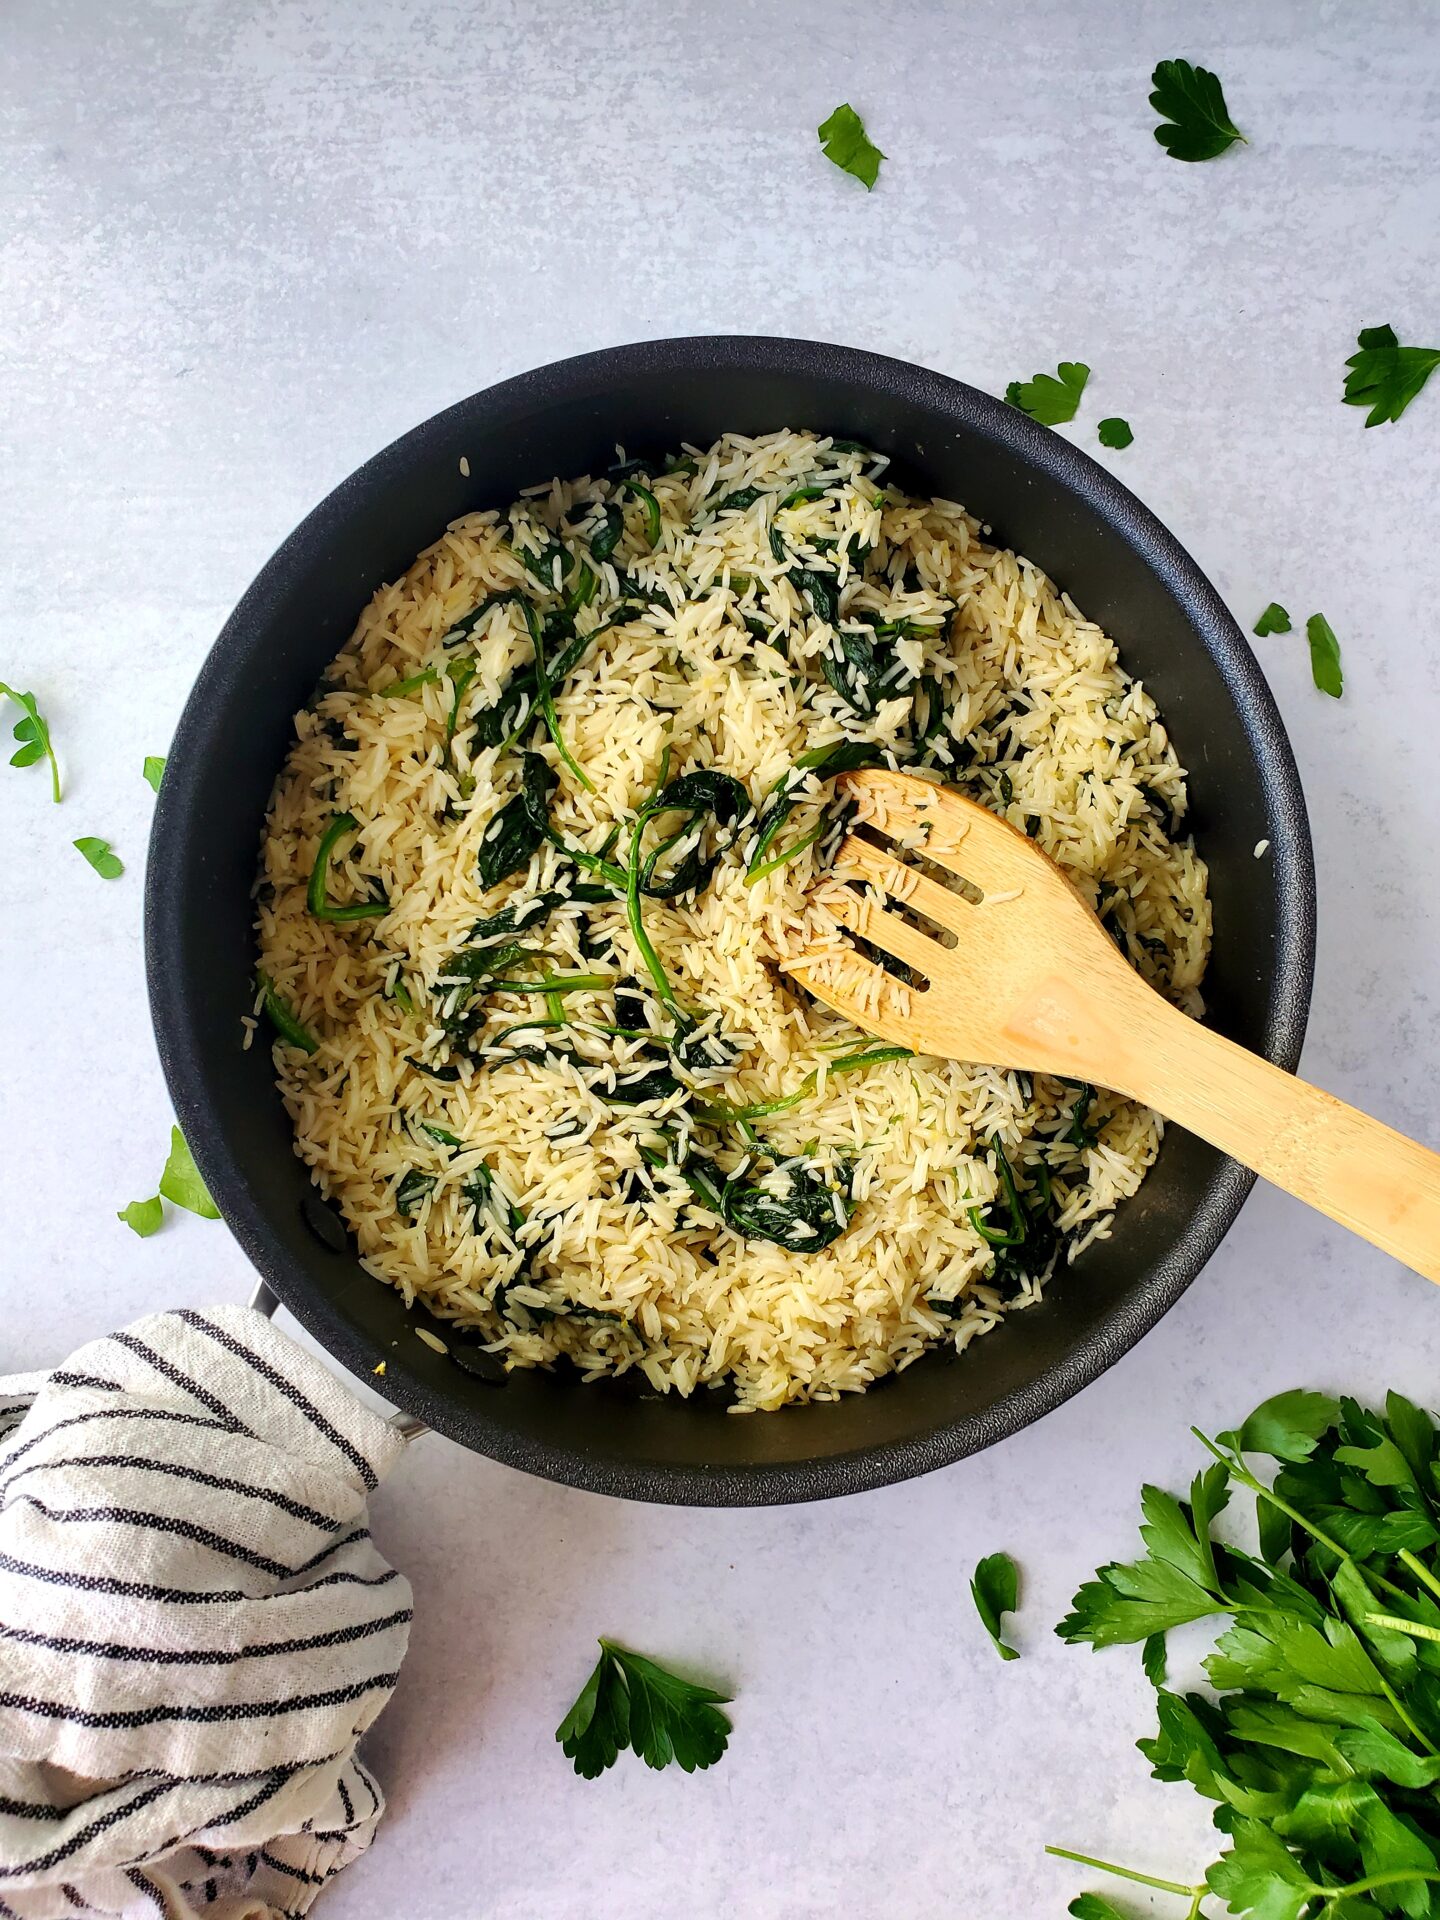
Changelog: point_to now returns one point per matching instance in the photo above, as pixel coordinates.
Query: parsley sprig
(629, 1701)
(1195, 121)
(1322, 1747)
(33, 734)
(1385, 376)
(1051, 398)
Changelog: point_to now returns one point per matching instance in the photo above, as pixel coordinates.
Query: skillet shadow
(487, 1550)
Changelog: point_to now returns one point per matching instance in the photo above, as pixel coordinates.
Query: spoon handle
(1371, 1179)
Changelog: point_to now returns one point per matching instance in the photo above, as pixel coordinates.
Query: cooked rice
(616, 1265)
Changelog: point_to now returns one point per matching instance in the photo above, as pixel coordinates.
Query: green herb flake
(845, 142)
(1385, 376)
(1324, 656)
(1115, 432)
(144, 1216)
(33, 734)
(1273, 620)
(1051, 398)
(154, 770)
(1195, 122)
(181, 1183)
(994, 1589)
(629, 1701)
(102, 857)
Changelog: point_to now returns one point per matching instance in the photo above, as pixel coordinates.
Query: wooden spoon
(1033, 981)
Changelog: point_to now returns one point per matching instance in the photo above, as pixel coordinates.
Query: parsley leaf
(181, 1183)
(1286, 1426)
(1324, 656)
(154, 769)
(1260, 1875)
(994, 1589)
(1195, 122)
(144, 1216)
(1094, 1906)
(1152, 1658)
(629, 1701)
(34, 736)
(1115, 432)
(845, 142)
(1273, 620)
(1050, 399)
(102, 857)
(1176, 1583)
(1385, 376)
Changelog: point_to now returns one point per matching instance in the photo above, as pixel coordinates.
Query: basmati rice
(586, 1242)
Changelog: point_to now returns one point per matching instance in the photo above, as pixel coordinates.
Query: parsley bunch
(1321, 1746)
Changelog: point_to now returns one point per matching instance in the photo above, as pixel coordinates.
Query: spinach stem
(769, 866)
(719, 1113)
(612, 874)
(317, 895)
(283, 1017)
(399, 689)
(636, 919)
(1016, 1234)
(651, 506)
(555, 983)
(545, 700)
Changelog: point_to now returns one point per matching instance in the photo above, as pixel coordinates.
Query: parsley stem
(1242, 1473)
(1420, 1570)
(1128, 1873)
(1390, 1695)
(1398, 1624)
(1331, 1894)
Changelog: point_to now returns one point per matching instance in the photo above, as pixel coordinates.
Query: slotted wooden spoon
(1033, 981)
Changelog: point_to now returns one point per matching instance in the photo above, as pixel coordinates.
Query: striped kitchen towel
(195, 1625)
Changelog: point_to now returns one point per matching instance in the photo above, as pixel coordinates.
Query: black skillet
(1042, 497)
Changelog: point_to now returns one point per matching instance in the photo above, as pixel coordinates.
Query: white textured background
(241, 247)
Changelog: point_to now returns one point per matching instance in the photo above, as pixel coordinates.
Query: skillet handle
(266, 1302)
